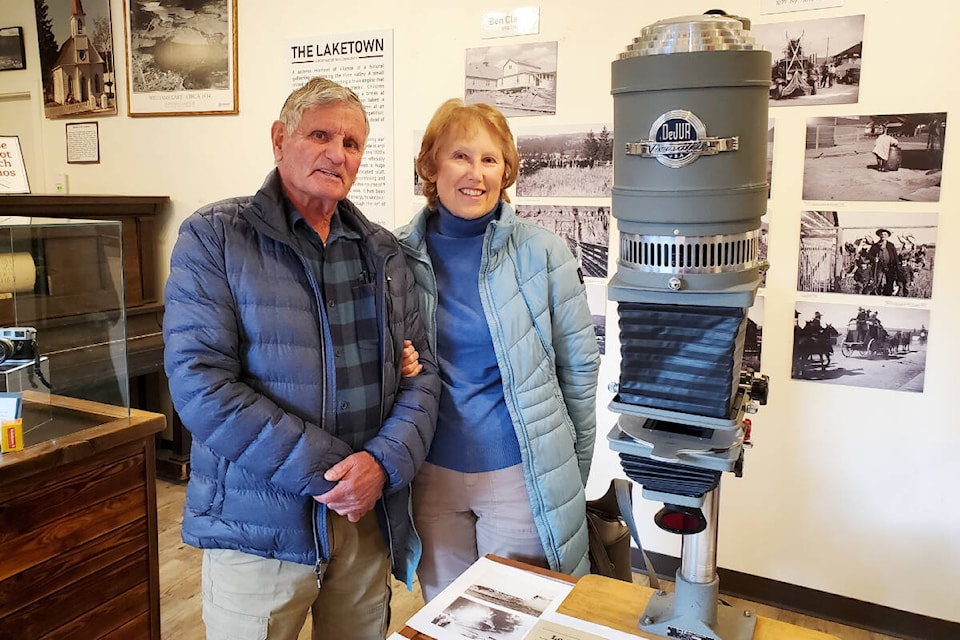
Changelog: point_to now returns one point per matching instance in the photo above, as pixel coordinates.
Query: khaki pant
(463, 516)
(246, 597)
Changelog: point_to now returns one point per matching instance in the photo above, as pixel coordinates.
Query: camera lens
(7, 349)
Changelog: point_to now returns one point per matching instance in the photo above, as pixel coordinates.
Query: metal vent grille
(694, 254)
(689, 34)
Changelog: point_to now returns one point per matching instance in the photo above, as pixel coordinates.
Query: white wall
(849, 491)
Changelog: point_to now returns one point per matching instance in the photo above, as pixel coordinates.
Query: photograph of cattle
(888, 254)
(814, 61)
(882, 157)
(861, 345)
(577, 162)
(586, 231)
(520, 79)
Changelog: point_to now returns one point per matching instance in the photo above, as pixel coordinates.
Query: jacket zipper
(321, 541)
(384, 334)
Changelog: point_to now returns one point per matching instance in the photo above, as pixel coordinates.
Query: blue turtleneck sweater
(474, 430)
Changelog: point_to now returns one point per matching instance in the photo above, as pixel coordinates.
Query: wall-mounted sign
(13, 173)
(516, 22)
(784, 6)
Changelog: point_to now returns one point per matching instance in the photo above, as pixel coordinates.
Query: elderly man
(286, 314)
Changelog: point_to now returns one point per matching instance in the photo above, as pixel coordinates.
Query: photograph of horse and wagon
(860, 346)
(864, 253)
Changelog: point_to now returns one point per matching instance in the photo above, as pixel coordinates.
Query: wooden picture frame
(13, 56)
(181, 63)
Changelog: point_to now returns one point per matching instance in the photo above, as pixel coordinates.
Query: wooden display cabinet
(78, 523)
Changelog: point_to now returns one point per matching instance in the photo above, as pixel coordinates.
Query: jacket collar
(414, 234)
(268, 216)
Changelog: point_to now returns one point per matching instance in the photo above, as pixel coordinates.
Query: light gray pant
(463, 516)
(246, 597)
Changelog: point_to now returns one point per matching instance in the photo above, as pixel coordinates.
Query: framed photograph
(814, 61)
(77, 64)
(181, 57)
(13, 173)
(12, 55)
(83, 143)
(519, 79)
(893, 157)
(569, 160)
(889, 254)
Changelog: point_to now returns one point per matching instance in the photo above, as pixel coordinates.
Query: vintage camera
(18, 344)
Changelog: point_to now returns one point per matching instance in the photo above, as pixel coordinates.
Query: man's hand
(361, 481)
(410, 363)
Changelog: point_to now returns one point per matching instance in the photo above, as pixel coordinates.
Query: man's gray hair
(317, 93)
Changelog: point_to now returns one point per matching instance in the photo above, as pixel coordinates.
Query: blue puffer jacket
(535, 304)
(243, 352)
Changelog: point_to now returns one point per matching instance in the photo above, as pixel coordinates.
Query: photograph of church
(76, 58)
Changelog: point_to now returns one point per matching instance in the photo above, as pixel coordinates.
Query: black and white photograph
(77, 63)
(814, 61)
(490, 600)
(888, 254)
(519, 80)
(770, 132)
(753, 336)
(882, 158)
(182, 57)
(764, 249)
(12, 54)
(597, 301)
(861, 345)
(577, 162)
(533, 605)
(417, 183)
(467, 618)
(586, 231)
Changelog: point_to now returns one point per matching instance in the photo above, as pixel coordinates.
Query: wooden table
(78, 524)
(618, 605)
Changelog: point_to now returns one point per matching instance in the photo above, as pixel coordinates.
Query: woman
(506, 311)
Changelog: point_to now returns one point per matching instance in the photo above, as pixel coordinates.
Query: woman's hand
(410, 362)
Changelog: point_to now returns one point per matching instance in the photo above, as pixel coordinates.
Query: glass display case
(62, 317)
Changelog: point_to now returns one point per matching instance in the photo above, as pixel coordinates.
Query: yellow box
(12, 432)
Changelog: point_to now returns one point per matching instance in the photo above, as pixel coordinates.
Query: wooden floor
(180, 585)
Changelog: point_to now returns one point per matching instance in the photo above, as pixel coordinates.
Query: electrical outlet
(61, 184)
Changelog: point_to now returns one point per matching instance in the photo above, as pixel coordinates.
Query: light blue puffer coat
(535, 303)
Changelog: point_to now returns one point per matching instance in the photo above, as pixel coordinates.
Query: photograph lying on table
(76, 58)
(519, 79)
(862, 253)
(861, 345)
(814, 61)
(886, 157)
(576, 162)
(490, 600)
